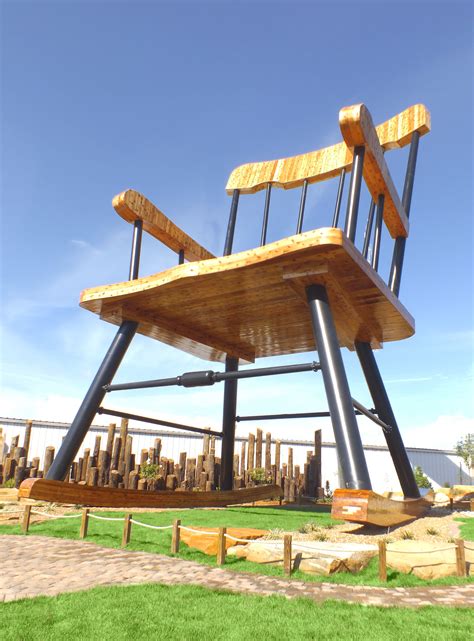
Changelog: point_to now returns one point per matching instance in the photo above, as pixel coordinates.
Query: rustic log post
(123, 442)
(221, 547)
(142, 484)
(287, 552)
(203, 481)
(211, 462)
(251, 452)
(127, 464)
(114, 463)
(175, 537)
(127, 527)
(182, 466)
(84, 523)
(242, 459)
(14, 444)
(236, 465)
(292, 491)
(48, 459)
(85, 465)
(212, 446)
(171, 482)
(114, 478)
(96, 450)
(110, 439)
(103, 464)
(318, 459)
(26, 441)
(277, 454)
(133, 480)
(268, 454)
(93, 476)
(460, 558)
(144, 456)
(382, 560)
(290, 462)
(25, 522)
(258, 448)
(157, 450)
(205, 444)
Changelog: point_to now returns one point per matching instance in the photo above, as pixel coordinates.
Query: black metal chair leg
(385, 413)
(228, 426)
(350, 451)
(91, 403)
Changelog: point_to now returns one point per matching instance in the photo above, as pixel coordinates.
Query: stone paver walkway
(34, 565)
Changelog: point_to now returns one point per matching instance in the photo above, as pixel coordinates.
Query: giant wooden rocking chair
(313, 290)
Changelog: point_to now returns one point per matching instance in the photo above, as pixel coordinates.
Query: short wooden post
(382, 560)
(460, 558)
(287, 541)
(221, 548)
(175, 537)
(25, 523)
(451, 503)
(127, 526)
(84, 523)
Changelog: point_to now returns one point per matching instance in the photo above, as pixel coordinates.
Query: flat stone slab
(316, 557)
(207, 543)
(427, 560)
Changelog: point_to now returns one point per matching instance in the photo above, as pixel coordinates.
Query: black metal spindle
(399, 249)
(263, 238)
(228, 425)
(229, 239)
(378, 232)
(354, 193)
(181, 257)
(304, 189)
(136, 247)
(368, 229)
(337, 208)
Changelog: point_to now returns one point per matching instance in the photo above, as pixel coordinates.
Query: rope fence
(458, 547)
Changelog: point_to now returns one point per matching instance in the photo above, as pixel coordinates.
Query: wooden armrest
(131, 205)
(358, 130)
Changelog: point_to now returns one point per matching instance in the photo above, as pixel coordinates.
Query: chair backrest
(362, 154)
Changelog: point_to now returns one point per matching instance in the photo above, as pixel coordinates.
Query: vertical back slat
(354, 193)
(378, 231)
(229, 240)
(266, 209)
(368, 229)
(337, 208)
(299, 225)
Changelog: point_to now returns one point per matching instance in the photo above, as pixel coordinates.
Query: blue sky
(168, 98)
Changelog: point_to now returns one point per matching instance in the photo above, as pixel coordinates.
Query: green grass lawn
(109, 534)
(182, 613)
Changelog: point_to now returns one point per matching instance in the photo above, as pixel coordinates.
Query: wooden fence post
(84, 523)
(382, 560)
(25, 524)
(287, 541)
(221, 547)
(460, 558)
(175, 537)
(127, 526)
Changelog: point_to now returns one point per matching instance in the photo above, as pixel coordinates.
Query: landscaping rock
(425, 560)
(315, 557)
(207, 543)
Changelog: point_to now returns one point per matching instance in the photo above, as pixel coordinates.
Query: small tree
(421, 479)
(465, 449)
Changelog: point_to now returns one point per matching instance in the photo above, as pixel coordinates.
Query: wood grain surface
(328, 162)
(72, 493)
(252, 304)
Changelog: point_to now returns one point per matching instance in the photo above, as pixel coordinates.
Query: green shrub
(258, 475)
(149, 471)
(9, 483)
(421, 479)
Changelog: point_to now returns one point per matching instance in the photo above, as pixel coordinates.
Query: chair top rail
(316, 166)
(132, 206)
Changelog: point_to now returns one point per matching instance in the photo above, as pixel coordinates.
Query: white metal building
(441, 466)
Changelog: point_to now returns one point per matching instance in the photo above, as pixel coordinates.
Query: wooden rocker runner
(312, 290)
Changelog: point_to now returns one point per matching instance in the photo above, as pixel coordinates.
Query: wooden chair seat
(252, 304)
